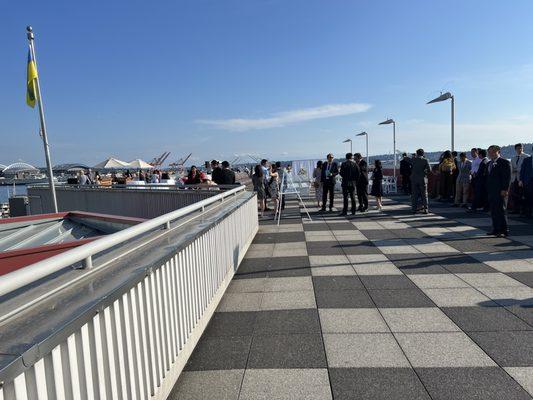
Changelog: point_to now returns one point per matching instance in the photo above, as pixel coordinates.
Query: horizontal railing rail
(34, 272)
(146, 186)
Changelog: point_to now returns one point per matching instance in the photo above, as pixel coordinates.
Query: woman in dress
(259, 187)
(377, 184)
(446, 172)
(274, 185)
(317, 182)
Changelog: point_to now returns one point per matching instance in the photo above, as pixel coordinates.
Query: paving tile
(240, 302)
(343, 299)
(287, 351)
(246, 285)
(285, 384)
(320, 261)
(325, 237)
(448, 349)
(288, 300)
(288, 284)
(418, 320)
(223, 385)
(220, 353)
(438, 281)
(400, 298)
(509, 296)
(489, 280)
(286, 321)
(382, 268)
(336, 283)
(523, 375)
(481, 319)
(458, 297)
(333, 270)
(470, 384)
(361, 247)
(231, 324)
(288, 271)
(376, 383)
(318, 226)
(508, 349)
(387, 282)
(363, 350)
(367, 258)
(524, 277)
(351, 320)
(324, 251)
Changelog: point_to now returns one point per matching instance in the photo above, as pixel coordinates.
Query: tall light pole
(365, 134)
(393, 122)
(346, 141)
(444, 97)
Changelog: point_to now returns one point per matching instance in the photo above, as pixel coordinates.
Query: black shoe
(504, 234)
(330, 209)
(455, 205)
(343, 214)
(425, 211)
(353, 212)
(493, 233)
(322, 210)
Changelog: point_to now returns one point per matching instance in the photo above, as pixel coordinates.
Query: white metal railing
(136, 347)
(32, 273)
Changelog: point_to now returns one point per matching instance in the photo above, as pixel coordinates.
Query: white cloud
(288, 117)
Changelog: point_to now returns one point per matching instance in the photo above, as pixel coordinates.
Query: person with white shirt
(516, 193)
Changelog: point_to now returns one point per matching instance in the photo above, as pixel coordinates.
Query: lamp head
(347, 140)
(387, 122)
(442, 97)
(362, 134)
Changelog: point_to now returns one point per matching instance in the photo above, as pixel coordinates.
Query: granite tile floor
(381, 305)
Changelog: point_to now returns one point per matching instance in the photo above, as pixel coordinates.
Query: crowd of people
(485, 181)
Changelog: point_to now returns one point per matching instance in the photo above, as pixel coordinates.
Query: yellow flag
(31, 91)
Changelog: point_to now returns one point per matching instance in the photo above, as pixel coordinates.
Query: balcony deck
(376, 306)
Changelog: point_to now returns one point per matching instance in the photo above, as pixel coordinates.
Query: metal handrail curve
(32, 273)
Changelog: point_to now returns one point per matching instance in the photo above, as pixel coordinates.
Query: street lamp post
(365, 134)
(444, 97)
(393, 122)
(346, 141)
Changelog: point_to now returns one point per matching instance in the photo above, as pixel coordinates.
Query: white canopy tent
(139, 164)
(112, 163)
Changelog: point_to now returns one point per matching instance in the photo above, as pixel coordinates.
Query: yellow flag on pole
(31, 81)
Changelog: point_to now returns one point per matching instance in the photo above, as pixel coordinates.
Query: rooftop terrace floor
(377, 306)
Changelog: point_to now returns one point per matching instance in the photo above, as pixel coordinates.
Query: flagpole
(43, 124)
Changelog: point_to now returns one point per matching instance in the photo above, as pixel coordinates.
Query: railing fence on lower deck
(136, 347)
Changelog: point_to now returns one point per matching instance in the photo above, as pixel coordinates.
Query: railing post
(87, 263)
(167, 225)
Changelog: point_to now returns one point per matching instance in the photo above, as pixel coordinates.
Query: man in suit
(330, 170)
(479, 180)
(419, 174)
(362, 183)
(350, 176)
(405, 172)
(498, 181)
(462, 184)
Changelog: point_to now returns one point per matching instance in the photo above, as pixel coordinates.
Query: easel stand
(288, 187)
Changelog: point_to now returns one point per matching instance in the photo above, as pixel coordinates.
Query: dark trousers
(328, 187)
(406, 184)
(348, 191)
(480, 193)
(420, 189)
(498, 205)
(516, 194)
(447, 185)
(362, 195)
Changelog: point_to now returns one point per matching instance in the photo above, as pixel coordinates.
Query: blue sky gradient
(278, 79)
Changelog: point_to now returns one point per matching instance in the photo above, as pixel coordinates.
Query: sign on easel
(288, 187)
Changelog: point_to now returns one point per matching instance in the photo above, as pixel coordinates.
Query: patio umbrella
(112, 163)
(139, 164)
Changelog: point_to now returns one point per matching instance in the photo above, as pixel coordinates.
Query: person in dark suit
(498, 182)
(330, 170)
(362, 183)
(480, 182)
(227, 175)
(405, 172)
(350, 176)
(419, 174)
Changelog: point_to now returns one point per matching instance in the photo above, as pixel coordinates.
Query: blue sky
(278, 79)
